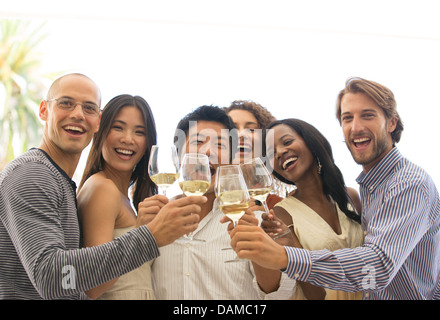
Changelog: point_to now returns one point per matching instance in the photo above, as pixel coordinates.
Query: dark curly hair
(263, 116)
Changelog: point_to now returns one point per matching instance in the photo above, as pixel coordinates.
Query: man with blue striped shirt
(400, 258)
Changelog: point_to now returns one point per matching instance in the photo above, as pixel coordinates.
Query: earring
(319, 166)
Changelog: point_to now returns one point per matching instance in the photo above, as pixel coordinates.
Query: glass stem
(265, 206)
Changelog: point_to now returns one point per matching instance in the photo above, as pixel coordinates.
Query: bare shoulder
(98, 191)
(97, 184)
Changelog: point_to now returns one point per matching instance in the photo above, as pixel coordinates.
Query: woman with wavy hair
(322, 212)
(117, 163)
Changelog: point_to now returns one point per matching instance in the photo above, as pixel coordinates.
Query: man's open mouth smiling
(243, 148)
(74, 130)
(361, 142)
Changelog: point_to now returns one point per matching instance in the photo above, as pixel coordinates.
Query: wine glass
(258, 180)
(259, 183)
(163, 167)
(232, 194)
(195, 177)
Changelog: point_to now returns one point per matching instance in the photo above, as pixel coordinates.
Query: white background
(292, 57)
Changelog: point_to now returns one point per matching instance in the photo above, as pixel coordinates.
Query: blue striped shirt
(400, 258)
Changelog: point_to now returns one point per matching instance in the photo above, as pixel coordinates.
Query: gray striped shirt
(40, 254)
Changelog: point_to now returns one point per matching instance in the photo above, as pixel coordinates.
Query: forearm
(280, 286)
(312, 292)
(268, 279)
(59, 273)
(41, 222)
(350, 270)
(98, 291)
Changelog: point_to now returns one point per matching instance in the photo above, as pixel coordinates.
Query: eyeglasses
(70, 104)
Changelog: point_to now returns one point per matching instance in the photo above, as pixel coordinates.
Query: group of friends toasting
(264, 211)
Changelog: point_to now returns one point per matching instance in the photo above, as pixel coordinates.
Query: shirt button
(187, 274)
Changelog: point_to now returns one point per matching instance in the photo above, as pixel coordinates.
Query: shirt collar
(380, 170)
(63, 173)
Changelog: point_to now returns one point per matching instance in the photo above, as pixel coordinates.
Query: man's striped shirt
(40, 255)
(400, 258)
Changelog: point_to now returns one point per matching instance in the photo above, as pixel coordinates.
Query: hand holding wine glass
(259, 183)
(163, 166)
(195, 177)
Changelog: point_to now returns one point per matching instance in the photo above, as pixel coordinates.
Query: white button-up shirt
(197, 270)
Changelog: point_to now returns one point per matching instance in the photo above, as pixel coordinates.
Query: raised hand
(251, 242)
(277, 225)
(149, 208)
(175, 219)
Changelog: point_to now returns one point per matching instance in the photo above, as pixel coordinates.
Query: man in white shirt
(196, 269)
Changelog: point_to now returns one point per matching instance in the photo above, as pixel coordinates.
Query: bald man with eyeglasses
(40, 254)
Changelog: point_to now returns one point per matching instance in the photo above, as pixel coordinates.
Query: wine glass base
(195, 239)
(280, 235)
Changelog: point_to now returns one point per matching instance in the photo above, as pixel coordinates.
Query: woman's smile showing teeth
(124, 152)
(289, 162)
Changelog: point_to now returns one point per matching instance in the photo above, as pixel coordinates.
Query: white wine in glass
(194, 188)
(194, 178)
(232, 194)
(232, 204)
(258, 180)
(163, 167)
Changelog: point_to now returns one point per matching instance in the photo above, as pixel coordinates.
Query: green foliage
(21, 87)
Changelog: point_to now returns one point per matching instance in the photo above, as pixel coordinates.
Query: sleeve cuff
(299, 263)
(149, 242)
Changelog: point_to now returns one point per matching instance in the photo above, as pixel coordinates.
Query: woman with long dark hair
(117, 163)
(322, 212)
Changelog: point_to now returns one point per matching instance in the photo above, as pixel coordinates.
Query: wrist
(283, 259)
